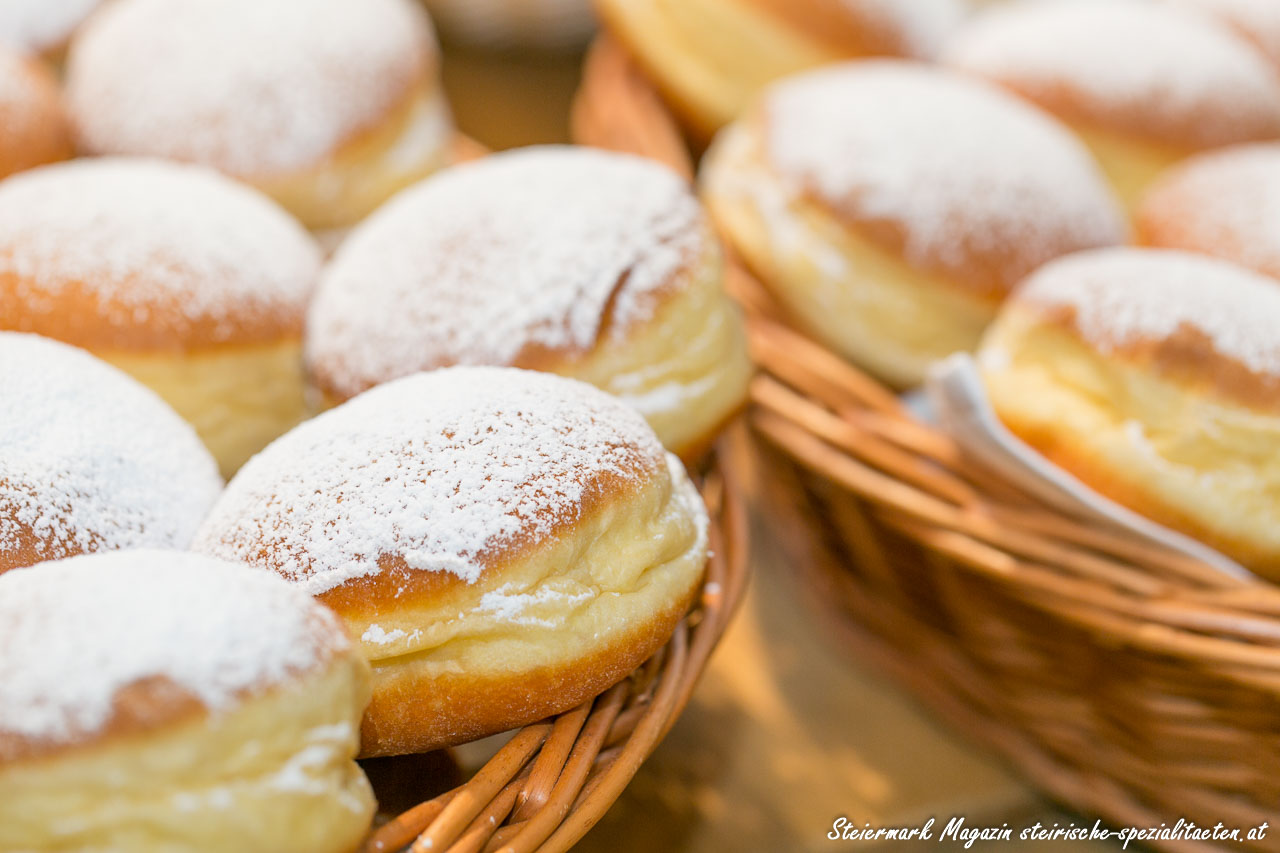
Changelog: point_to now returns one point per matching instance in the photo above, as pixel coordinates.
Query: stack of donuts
(1084, 195)
(264, 511)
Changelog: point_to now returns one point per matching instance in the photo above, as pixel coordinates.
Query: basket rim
(555, 779)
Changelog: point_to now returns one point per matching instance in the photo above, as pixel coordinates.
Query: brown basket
(552, 781)
(1128, 682)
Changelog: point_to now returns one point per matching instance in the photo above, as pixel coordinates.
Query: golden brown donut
(34, 129)
(890, 206)
(329, 106)
(159, 701)
(90, 460)
(1224, 203)
(711, 57)
(42, 27)
(505, 543)
(590, 264)
(192, 283)
(1143, 84)
(1154, 377)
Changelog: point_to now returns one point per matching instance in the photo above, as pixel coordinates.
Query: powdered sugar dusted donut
(152, 693)
(1153, 376)
(591, 264)
(33, 123)
(1224, 203)
(191, 282)
(90, 460)
(505, 543)
(891, 206)
(711, 57)
(328, 105)
(1144, 84)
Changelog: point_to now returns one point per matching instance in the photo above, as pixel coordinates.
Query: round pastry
(1224, 203)
(90, 460)
(1143, 84)
(591, 264)
(711, 57)
(890, 206)
(33, 124)
(329, 106)
(1256, 20)
(1154, 377)
(156, 701)
(42, 26)
(534, 23)
(192, 283)
(506, 544)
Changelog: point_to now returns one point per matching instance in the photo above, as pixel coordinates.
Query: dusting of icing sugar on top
(155, 243)
(75, 632)
(34, 26)
(962, 169)
(523, 608)
(443, 469)
(90, 459)
(542, 248)
(1225, 204)
(253, 87)
(1128, 65)
(1256, 20)
(1125, 297)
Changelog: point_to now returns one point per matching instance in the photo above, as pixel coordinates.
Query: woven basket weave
(1128, 682)
(552, 781)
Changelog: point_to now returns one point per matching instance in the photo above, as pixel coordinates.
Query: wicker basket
(552, 781)
(1129, 683)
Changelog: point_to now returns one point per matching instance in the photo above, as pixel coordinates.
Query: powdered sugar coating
(34, 26)
(447, 470)
(75, 632)
(539, 249)
(1122, 298)
(1225, 204)
(256, 88)
(153, 243)
(1129, 66)
(969, 178)
(91, 460)
(1256, 20)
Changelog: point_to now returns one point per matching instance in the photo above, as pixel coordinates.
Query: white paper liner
(958, 401)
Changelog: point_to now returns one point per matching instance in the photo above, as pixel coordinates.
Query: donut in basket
(589, 264)
(1144, 84)
(890, 207)
(505, 544)
(160, 701)
(329, 106)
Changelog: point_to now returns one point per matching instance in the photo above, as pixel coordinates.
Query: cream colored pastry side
(1194, 461)
(415, 141)
(238, 397)
(274, 774)
(869, 305)
(686, 369)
